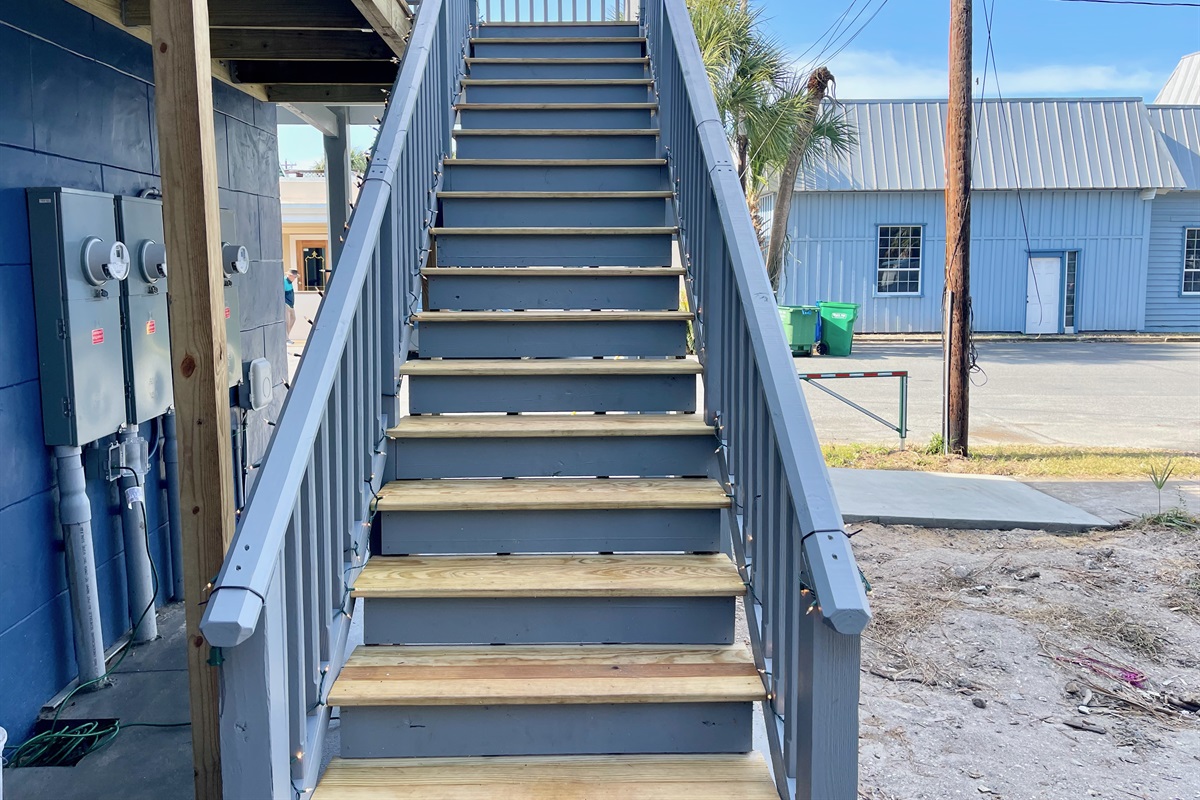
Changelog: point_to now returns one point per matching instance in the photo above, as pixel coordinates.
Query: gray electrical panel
(234, 264)
(144, 309)
(78, 265)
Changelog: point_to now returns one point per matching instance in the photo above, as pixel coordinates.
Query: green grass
(1027, 461)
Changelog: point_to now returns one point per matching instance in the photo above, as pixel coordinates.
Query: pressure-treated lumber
(383, 675)
(555, 162)
(551, 272)
(515, 576)
(552, 366)
(483, 195)
(556, 132)
(191, 217)
(537, 315)
(548, 426)
(267, 14)
(532, 494)
(656, 231)
(280, 45)
(650, 777)
(391, 19)
(560, 40)
(349, 95)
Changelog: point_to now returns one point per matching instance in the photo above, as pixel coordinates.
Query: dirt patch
(1018, 664)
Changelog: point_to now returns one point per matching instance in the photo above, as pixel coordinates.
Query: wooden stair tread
(557, 82)
(548, 426)
(556, 39)
(555, 132)
(627, 777)
(551, 366)
(555, 162)
(532, 494)
(494, 60)
(631, 231)
(478, 195)
(551, 272)
(490, 576)
(408, 675)
(539, 315)
(555, 106)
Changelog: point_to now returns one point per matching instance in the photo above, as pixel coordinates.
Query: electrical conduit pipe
(138, 569)
(75, 516)
(171, 459)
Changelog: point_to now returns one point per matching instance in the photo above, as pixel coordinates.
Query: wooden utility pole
(188, 160)
(956, 337)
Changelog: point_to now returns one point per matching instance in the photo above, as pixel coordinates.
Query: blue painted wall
(833, 254)
(77, 110)
(1166, 308)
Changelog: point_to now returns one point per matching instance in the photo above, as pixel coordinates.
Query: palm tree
(768, 113)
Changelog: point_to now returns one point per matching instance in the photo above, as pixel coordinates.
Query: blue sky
(1045, 48)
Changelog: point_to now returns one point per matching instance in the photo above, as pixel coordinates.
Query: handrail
(502, 11)
(278, 614)
(807, 603)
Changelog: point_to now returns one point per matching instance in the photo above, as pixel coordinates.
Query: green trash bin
(800, 328)
(837, 327)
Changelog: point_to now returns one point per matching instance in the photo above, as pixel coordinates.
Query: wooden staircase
(547, 610)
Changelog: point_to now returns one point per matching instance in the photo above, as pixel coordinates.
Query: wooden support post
(956, 338)
(188, 156)
(337, 184)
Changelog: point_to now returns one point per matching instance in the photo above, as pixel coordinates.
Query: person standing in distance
(289, 300)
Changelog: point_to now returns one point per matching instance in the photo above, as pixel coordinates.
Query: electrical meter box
(234, 264)
(144, 310)
(78, 265)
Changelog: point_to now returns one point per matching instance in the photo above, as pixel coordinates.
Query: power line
(1134, 3)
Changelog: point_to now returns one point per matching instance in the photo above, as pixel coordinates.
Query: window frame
(920, 269)
(1184, 268)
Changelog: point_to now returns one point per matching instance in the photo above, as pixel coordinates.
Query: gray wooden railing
(807, 603)
(495, 11)
(279, 612)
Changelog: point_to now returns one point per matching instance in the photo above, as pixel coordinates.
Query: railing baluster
(290, 576)
(310, 561)
(327, 566)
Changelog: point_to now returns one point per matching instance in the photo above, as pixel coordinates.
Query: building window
(899, 265)
(1071, 262)
(1191, 261)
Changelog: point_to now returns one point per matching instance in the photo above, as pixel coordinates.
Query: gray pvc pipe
(75, 516)
(171, 459)
(138, 569)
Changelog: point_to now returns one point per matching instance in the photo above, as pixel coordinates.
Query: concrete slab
(940, 500)
(1122, 500)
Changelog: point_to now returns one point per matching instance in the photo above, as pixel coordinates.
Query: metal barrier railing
(786, 528)
(900, 427)
(278, 615)
(558, 10)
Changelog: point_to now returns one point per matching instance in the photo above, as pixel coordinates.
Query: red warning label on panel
(226, 312)
(151, 327)
(98, 336)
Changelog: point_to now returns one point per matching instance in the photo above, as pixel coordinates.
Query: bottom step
(697, 777)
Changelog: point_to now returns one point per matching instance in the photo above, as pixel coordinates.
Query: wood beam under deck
(247, 44)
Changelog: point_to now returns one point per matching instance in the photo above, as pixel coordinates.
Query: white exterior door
(1043, 300)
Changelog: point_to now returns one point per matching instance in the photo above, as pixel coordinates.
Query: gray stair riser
(553, 250)
(634, 48)
(550, 620)
(618, 530)
(482, 293)
(559, 212)
(542, 178)
(498, 30)
(484, 393)
(560, 71)
(429, 731)
(558, 93)
(555, 118)
(535, 146)
(504, 339)
(641, 456)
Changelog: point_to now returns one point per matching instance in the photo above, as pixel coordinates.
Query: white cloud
(869, 75)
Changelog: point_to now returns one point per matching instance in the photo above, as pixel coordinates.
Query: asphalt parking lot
(1091, 394)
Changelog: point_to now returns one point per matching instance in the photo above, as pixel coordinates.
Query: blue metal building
(1080, 218)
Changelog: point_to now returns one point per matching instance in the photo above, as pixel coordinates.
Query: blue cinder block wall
(77, 110)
